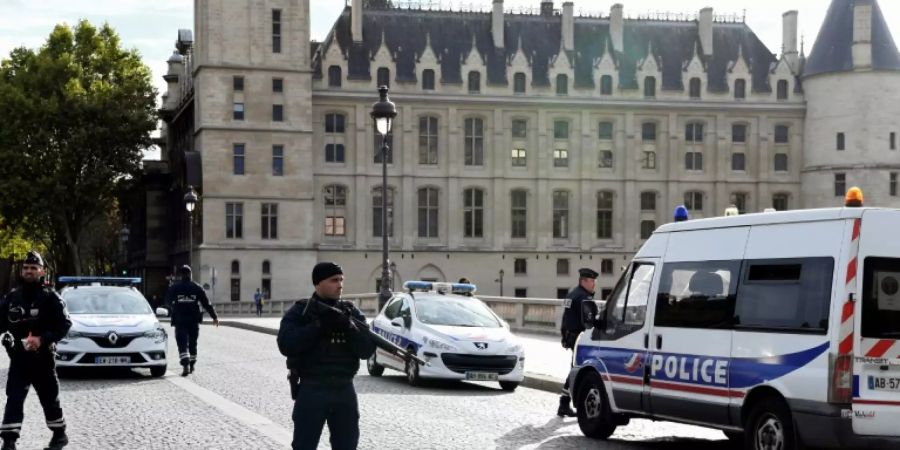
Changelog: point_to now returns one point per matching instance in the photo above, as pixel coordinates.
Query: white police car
(457, 334)
(112, 326)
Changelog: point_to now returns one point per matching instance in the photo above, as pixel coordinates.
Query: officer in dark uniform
(573, 325)
(323, 349)
(33, 318)
(185, 298)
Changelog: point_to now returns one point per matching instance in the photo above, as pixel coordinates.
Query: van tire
(770, 426)
(373, 367)
(592, 406)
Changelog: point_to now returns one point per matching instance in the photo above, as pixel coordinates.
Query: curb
(533, 381)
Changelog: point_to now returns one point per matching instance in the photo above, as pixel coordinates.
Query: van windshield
(881, 298)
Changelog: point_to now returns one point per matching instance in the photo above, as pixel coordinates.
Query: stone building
(532, 142)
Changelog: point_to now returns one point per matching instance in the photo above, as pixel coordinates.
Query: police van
(781, 329)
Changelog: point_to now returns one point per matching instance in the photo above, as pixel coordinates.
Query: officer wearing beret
(323, 348)
(33, 318)
(185, 298)
(573, 325)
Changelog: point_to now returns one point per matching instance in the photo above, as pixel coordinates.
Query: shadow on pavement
(93, 378)
(397, 385)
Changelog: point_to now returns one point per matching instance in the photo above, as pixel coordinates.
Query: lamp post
(123, 236)
(190, 202)
(500, 280)
(383, 113)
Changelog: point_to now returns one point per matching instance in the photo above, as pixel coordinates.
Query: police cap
(184, 270)
(34, 258)
(587, 273)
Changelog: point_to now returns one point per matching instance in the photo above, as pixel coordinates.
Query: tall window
(428, 80)
(278, 85)
(693, 161)
(335, 210)
(606, 266)
(892, 185)
(782, 89)
(234, 220)
(561, 129)
(267, 279)
(270, 220)
(473, 213)
(384, 76)
(474, 82)
(604, 215)
(647, 228)
(606, 85)
(561, 157)
(648, 159)
(277, 160)
(650, 87)
(235, 281)
(605, 131)
(519, 157)
(519, 213)
(695, 88)
(519, 83)
(740, 89)
(840, 141)
(428, 140)
(377, 211)
(693, 201)
(560, 214)
(562, 267)
(648, 201)
(335, 78)
(738, 162)
(738, 133)
(562, 84)
(334, 137)
(237, 83)
(840, 184)
(428, 212)
(237, 112)
(648, 131)
(389, 139)
(780, 202)
(781, 162)
(893, 141)
(607, 160)
(519, 128)
(739, 200)
(277, 113)
(520, 266)
(474, 141)
(238, 158)
(693, 132)
(276, 31)
(782, 134)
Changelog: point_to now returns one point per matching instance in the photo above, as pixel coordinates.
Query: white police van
(780, 329)
(459, 336)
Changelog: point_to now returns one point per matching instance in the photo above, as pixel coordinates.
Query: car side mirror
(397, 322)
(162, 312)
(407, 320)
(588, 313)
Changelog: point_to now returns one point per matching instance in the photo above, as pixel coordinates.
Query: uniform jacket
(571, 320)
(37, 310)
(185, 298)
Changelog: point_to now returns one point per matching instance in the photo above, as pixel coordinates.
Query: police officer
(323, 348)
(573, 325)
(184, 298)
(33, 318)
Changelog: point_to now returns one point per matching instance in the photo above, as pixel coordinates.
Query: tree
(76, 115)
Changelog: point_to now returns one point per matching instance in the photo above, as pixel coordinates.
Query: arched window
(427, 80)
(266, 267)
(334, 76)
(561, 214)
(235, 288)
(650, 87)
(782, 90)
(474, 82)
(428, 212)
(235, 267)
(604, 215)
(428, 140)
(695, 88)
(519, 83)
(473, 213)
(606, 85)
(384, 76)
(377, 209)
(335, 210)
(562, 84)
(740, 88)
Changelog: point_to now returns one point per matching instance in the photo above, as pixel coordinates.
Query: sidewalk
(546, 362)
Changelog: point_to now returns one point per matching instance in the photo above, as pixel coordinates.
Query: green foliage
(76, 115)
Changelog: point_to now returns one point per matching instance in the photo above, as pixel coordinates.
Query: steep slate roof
(451, 36)
(833, 50)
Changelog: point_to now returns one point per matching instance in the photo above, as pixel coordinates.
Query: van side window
(626, 308)
(785, 294)
(881, 298)
(697, 294)
(393, 309)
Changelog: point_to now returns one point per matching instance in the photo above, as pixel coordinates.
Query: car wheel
(592, 406)
(412, 371)
(373, 367)
(509, 386)
(770, 426)
(157, 371)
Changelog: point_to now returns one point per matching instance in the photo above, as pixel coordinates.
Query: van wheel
(508, 386)
(157, 371)
(412, 370)
(770, 426)
(373, 367)
(592, 406)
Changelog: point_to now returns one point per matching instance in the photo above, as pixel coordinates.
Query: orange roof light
(854, 198)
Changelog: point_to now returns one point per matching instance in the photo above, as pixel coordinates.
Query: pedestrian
(323, 348)
(573, 325)
(257, 300)
(33, 318)
(465, 280)
(185, 298)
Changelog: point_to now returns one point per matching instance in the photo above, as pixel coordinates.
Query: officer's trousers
(186, 339)
(317, 404)
(28, 369)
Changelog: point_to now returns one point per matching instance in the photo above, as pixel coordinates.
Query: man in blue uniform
(573, 325)
(185, 298)
(33, 318)
(323, 348)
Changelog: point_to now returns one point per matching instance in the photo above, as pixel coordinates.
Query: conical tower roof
(833, 49)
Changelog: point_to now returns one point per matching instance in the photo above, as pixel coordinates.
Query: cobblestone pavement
(130, 410)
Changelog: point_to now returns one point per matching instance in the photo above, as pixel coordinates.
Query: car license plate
(112, 360)
(481, 376)
(884, 383)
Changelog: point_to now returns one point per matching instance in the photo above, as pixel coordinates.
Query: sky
(151, 26)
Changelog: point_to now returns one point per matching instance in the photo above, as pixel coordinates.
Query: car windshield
(106, 301)
(455, 312)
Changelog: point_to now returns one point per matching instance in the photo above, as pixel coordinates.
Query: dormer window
(474, 82)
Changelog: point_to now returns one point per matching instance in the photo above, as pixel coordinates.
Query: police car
(457, 334)
(112, 326)
(781, 329)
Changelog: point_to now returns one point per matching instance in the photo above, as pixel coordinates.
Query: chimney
(789, 39)
(356, 20)
(497, 23)
(616, 27)
(172, 77)
(568, 26)
(706, 34)
(547, 9)
(862, 35)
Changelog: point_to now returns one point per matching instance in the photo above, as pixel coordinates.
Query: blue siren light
(681, 214)
(109, 281)
(455, 288)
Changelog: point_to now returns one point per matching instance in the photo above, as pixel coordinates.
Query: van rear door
(876, 367)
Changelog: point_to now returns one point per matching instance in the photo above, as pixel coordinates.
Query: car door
(385, 327)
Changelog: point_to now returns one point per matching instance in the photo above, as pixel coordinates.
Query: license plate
(884, 383)
(481, 376)
(112, 360)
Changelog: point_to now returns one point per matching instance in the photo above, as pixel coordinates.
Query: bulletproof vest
(23, 311)
(332, 357)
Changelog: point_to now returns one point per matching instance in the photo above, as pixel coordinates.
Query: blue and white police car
(459, 336)
(112, 326)
(781, 329)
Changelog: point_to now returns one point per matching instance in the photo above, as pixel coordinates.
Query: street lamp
(123, 236)
(190, 202)
(500, 280)
(383, 113)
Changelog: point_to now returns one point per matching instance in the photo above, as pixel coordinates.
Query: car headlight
(158, 335)
(515, 348)
(436, 344)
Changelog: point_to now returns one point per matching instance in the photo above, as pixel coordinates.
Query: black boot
(58, 441)
(185, 370)
(9, 444)
(192, 366)
(564, 409)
